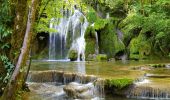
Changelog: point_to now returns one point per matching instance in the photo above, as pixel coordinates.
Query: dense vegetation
(139, 29)
(144, 25)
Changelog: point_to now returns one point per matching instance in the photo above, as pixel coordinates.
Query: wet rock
(101, 57)
(79, 91)
(157, 76)
(80, 78)
(73, 55)
(148, 92)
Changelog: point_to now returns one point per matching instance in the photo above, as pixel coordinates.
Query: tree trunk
(19, 9)
(17, 79)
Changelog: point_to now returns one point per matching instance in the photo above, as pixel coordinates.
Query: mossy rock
(108, 41)
(101, 57)
(90, 32)
(90, 41)
(119, 84)
(73, 55)
(158, 65)
(90, 46)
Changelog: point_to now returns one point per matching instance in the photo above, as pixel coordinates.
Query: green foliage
(91, 16)
(90, 46)
(72, 55)
(139, 47)
(114, 4)
(152, 21)
(119, 83)
(158, 65)
(101, 57)
(8, 66)
(52, 10)
(5, 20)
(49, 9)
(100, 23)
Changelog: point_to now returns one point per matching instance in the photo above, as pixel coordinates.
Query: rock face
(79, 91)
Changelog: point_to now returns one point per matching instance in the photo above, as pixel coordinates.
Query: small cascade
(119, 34)
(147, 92)
(97, 44)
(57, 40)
(99, 88)
(145, 89)
(69, 36)
(120, 39)
(107, 15)
(76, 86)
(79, 24)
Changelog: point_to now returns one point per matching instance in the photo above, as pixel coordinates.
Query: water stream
(53, 80)
(69, 36)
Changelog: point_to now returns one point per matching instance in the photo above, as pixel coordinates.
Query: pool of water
(102, 69)
(116, 69)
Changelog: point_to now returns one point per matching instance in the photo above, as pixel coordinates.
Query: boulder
(73, 55)
(101, 57)
(79, 91)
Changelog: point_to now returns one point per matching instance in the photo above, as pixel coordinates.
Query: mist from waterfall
(69, 36)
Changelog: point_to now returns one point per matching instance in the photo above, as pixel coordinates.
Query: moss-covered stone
(90, 41)
(72, 55)
(158, 65)
(118, 83)
(101, 57)
(108, 40)
(90, 47)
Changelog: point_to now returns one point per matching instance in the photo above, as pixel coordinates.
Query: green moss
(100, 23)
(72, 55)
(134, 56)
(91, 16)
(109, 42)
(140, 47)
(119, 83)
(101, 57)
(90, 32)
(90, 41)
(41, 55)
(90, 46)
(158, 65)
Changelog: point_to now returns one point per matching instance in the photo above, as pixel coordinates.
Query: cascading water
(97, 44)
(69, 36)
(57, 40)
(107, 15)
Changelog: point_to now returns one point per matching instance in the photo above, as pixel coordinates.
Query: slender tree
(17, 78)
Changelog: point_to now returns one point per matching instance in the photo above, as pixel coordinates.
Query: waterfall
(97, 44)
(147, 92)
(107, 15)
(57, 40)
(69, 36)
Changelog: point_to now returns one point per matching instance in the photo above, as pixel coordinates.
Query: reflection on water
(116, 69)
(80, 68)
(102, 69)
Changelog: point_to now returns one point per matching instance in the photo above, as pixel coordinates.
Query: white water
(97, 44)
(69, 36)
(107, 15)
(57, 39)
